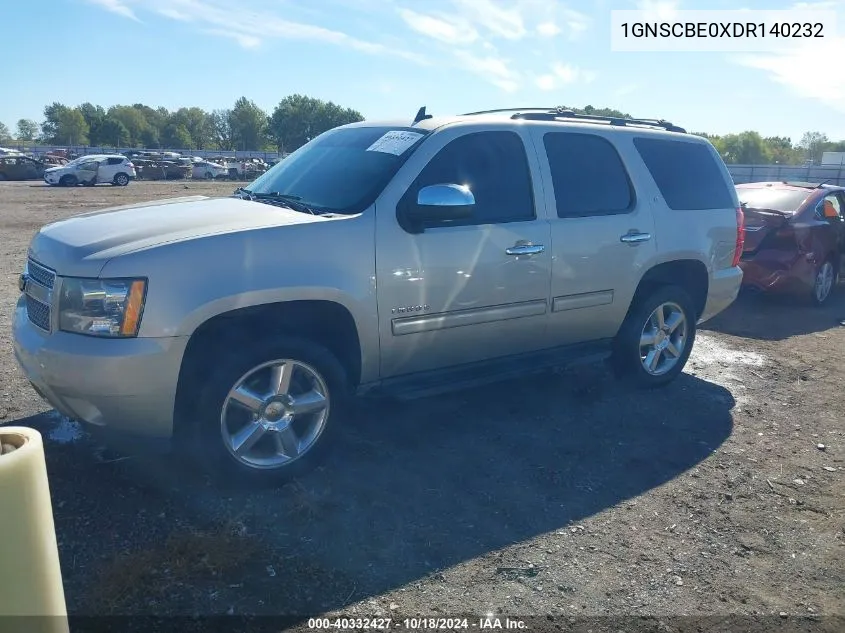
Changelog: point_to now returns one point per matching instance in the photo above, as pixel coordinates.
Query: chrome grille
(38, 313)
(39, 294)
(39, 273)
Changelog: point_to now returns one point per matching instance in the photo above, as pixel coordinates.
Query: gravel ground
(554, 496)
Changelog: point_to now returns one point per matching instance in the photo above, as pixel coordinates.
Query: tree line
(299, 118)
(244, 126)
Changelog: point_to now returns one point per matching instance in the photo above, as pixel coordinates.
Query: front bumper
(722, 292)
(117, 387)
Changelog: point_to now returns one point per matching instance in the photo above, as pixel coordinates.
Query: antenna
(421, 115)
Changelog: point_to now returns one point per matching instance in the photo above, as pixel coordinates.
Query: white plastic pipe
(30, 574)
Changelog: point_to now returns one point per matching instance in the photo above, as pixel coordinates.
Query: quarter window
(687, 174)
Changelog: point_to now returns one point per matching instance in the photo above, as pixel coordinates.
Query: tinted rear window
(783, 200)
(687, 174)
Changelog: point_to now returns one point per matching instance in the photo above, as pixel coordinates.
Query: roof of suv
(543, 115)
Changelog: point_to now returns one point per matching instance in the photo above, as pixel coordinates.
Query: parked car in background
(417, 258)
(208, 170)
(21, 168)
(795, 237)
(94, 169)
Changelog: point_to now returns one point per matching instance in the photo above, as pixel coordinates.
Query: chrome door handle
(525, 249)
(635, 238)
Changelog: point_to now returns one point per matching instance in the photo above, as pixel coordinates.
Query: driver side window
(495, 168)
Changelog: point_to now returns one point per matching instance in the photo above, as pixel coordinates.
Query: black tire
(121, 179)
(626, 360)
(817, 296)
(208, 444)
(68, 180)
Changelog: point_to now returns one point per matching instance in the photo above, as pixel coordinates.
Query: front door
(87, 172)
(464, 291)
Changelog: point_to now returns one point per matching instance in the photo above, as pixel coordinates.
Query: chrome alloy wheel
(663, 339)
(824, 282)
(274, 414)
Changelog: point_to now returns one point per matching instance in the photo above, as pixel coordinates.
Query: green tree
(112, 132)
(197, 123)
(222, 129)
(298, 118)
(94, 117)
(27, 130)
(781, 150)
(176, 136)
(64, 125)
(813, 145)
(134, 121)
(746, 148)
(4, 133)
(248, 124)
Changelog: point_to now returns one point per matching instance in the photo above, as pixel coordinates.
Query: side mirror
(439, 203)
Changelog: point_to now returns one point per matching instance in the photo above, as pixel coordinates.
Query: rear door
(602, 232)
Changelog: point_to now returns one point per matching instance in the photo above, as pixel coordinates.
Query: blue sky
(388, 57)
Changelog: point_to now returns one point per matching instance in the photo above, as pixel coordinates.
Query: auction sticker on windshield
(395, 142)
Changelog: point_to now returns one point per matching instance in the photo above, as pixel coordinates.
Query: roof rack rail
(561, 113)
(499, 110)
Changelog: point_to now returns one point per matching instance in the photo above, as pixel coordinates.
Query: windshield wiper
(245, 193)
(289, 199)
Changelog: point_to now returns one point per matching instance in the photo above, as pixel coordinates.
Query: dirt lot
(555, 496)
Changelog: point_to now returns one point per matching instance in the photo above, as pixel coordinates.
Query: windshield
(342, 170)
(783, 200)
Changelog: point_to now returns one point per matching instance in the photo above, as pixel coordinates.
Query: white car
(90, 170)
(209, 170)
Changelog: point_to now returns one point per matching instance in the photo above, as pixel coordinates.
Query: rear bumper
(778, 272)
(723, 291)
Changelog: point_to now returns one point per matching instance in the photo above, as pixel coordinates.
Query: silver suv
(398, 258)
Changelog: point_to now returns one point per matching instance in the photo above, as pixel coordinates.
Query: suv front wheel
(655, 341)
(270, 411)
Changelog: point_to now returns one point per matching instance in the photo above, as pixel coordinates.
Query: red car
(794, 237)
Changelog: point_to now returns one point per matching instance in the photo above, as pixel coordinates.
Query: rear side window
(588, 176)
(687, 174)
(115, 161)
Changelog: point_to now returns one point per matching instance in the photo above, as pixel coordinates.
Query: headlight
(102, 307)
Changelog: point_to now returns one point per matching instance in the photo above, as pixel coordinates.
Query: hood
(56, 168)
(81, 245)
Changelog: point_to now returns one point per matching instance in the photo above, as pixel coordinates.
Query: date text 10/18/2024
(441, 624)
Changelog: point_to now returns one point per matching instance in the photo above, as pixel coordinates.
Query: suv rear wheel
(269, 413)
(655, 341)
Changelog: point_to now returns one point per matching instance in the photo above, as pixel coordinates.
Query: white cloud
(116, 6)
(250, 28)
(443, 29)
(246, 41)
(501, 22)
(548, 29)
(658, 10)
(799, 70)
(494, 70)
(562, 75)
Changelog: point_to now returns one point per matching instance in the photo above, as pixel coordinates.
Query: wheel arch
(690, 274)
(322, 321)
